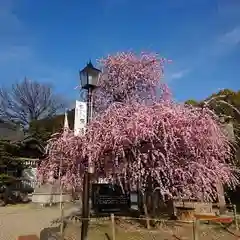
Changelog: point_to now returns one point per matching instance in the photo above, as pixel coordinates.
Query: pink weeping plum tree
(63, 161)
(142, 137)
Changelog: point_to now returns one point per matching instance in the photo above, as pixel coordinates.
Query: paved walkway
(25, 219)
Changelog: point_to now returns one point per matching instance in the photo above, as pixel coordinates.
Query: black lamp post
(89, 79)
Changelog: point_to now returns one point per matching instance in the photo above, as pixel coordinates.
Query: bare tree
(27, 101)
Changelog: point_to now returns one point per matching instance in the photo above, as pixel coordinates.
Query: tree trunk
(146, 211)
(155, 200)
(140, 201)
(170, 208)
(221, 198)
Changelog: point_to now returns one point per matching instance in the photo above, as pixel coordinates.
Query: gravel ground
(30, 219)
(25, 220)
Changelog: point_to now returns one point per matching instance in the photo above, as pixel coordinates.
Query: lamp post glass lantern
(89, 80)
(89, 76)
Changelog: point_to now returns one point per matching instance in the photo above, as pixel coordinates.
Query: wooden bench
(214, 218)
(28, 237)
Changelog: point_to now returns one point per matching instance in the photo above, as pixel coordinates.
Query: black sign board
(109, 198)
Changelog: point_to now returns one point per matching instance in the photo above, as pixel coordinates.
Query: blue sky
(50, 41)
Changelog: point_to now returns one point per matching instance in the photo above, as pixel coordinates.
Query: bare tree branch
(27, 101)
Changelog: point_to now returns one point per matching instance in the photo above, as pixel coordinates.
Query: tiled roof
(9, 132)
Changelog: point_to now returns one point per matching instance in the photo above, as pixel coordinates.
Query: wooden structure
(185, 213)
(214, 218)
(28, 237)
(19, 153)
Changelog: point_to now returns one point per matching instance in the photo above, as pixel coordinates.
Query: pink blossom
(140, 136)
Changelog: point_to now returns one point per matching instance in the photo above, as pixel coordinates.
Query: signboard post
(80, 120)
(109, 198)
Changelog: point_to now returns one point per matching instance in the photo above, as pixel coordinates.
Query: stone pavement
(25, 220)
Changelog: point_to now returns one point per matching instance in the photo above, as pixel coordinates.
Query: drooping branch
(139, 135)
